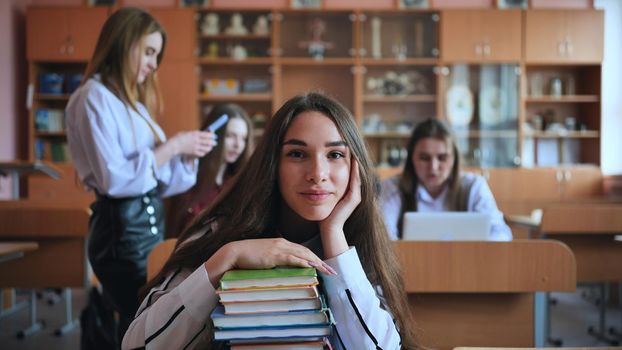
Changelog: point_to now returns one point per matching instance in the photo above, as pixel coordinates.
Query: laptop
(446, 226)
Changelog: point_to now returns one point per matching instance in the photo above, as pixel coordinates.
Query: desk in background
(589, 228)
(15, 250)
(60, 230)
(482, 293)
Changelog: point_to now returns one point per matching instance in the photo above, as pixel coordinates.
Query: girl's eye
(442, 158)
(336, 155)
(295, 154)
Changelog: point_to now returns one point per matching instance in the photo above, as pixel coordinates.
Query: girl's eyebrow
(302, 143)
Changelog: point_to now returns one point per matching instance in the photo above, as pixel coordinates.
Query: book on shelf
(303, 292)
(271, 332)
(50, 120)
(272, 319)
(269, 278)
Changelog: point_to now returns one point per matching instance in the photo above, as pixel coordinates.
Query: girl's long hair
(408, 180)
(250, 209)
(112, 58)
(209, 166)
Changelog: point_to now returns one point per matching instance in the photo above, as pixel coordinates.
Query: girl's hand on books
(261, 254)
(331, 228)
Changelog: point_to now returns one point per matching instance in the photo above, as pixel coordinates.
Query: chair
(158, 256)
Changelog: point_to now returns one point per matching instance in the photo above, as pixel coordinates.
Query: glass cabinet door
(399, 36)
(481, 104)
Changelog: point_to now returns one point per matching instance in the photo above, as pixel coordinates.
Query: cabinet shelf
(43, 134)
(387, 135)
(564, 99)
(296, 61)
(396, 62)
(486, 133)
(400, 98)
(237, 98)
(52, 97)
(235, 36)
(230, 61)
(588, 134)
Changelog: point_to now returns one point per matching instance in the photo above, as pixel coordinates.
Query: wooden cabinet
(553, 36)
(177, 75)
(179, 25)
(178, 83)
(481, 36)
(63, 34)
(519, 191)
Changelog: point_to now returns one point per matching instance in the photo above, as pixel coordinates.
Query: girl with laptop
(307, 197)
(432, 182)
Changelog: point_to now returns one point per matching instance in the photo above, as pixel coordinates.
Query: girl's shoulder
(390, 185)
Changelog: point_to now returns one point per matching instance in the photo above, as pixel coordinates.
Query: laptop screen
(446, 226)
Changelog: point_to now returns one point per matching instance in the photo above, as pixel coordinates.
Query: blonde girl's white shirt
(112, 146)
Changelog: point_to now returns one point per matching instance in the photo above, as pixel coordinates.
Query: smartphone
(218, 123)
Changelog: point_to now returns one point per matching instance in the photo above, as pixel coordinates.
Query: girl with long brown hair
(307, 197)
(121, 153)
(432, 181)
(216, 169)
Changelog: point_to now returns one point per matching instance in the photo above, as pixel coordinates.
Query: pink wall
(12, 83)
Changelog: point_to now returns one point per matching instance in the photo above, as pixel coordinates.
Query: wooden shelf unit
(425, 44)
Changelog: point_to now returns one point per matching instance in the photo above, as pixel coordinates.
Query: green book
(279, 277)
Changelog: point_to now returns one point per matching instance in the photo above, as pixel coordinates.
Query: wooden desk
(481, 293)
(589, 229)
(14, 250)
(60, 230)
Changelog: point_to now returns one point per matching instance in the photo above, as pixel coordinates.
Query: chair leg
(612, 330)
(557, 342)
(14, 306)
(35, 325)
(70, 322)
(602, 314)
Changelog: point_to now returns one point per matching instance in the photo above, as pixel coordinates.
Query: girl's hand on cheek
(331, 229)
(345, 207)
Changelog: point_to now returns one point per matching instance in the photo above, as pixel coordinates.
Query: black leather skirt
(122, 233)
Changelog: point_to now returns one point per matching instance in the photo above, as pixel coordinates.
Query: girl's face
(433, 159)
(314, 166)
(145, 55)
(235, 139)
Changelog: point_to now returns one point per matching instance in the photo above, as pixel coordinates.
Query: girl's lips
(315, 196)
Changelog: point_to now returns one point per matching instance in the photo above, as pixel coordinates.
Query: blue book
(272, 332)
(274, 319)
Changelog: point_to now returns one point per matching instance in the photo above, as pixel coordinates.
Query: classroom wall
(12, 77)
(611, 138)
(13, 70)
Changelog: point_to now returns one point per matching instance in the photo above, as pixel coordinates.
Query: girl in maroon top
(216, 168)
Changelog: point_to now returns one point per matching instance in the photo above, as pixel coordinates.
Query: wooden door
(519, 191)
(180, 28)
(481, 35)
(586, 32)
(581, 182)
(178, 81)
(46, 34)
(564, 36)
(84, 26)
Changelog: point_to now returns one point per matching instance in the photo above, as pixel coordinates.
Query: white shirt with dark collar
(480, 199)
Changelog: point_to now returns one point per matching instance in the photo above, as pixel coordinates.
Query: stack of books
(278, 308)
